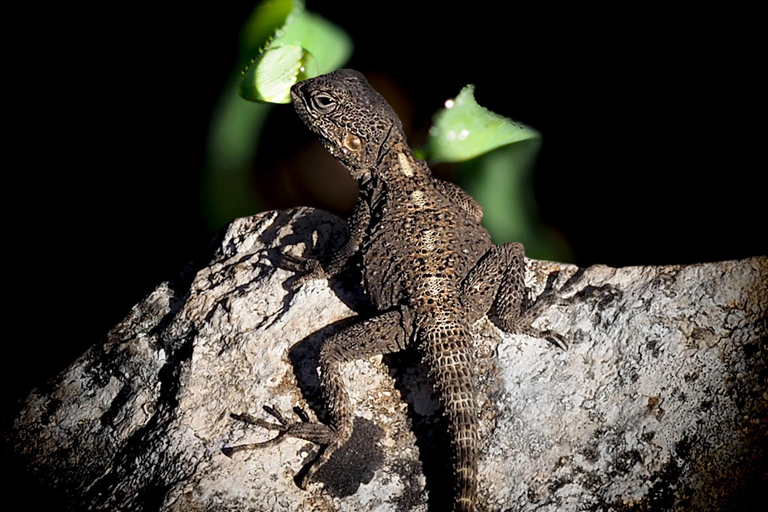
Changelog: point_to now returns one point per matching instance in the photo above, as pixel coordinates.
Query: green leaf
(464, 130)
(501, 181)
(266, 18)
(303, 45)
(237, 125)
(270, 80)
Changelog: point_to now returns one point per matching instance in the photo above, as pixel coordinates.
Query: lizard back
(420, 245)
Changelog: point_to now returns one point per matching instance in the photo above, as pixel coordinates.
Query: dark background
(653, 123)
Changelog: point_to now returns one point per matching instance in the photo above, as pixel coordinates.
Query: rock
(659, 403)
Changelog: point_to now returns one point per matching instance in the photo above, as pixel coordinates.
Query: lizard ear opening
(352, 142)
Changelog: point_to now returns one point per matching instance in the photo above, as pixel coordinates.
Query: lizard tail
(446, 352)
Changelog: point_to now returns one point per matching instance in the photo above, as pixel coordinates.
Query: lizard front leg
(497, 282)
(383, 334)
(314, 269)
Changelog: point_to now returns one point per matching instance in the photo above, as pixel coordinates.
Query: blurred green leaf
(303, 45)
(464, 130)
(227, 185)
(501, 181)
(264, 21)
(277, 70)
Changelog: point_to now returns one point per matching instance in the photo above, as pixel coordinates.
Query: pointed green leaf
(277, 70)
(464, 130)
(303, 45)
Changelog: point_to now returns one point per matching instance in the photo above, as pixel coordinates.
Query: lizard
(428, 266)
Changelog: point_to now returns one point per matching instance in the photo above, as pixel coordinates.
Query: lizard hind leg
(382, 334)
(496, 284)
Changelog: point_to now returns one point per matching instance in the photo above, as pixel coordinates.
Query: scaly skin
(428, 266)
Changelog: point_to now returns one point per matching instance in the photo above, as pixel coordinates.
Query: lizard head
(352, 120)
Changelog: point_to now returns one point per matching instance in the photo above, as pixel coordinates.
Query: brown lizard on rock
(428, 266)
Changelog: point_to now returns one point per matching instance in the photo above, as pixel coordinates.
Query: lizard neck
(400, 167)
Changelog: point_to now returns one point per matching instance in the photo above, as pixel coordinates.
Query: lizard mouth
(295, 93)
(299, 101)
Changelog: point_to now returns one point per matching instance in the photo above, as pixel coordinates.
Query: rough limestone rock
(660, 402)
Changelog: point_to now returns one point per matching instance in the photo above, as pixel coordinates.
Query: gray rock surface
(660, 403)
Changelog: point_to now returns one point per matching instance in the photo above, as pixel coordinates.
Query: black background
(653, 124)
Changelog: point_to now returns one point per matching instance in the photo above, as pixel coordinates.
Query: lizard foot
(555, 339)
(547, 298)
(304, 429)
(309, 268)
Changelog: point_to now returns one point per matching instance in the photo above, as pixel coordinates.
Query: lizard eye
(323, 102)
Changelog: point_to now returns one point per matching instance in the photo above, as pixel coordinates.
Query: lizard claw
(315, 432)
(555, 339)
(310, 269)
(295, 263)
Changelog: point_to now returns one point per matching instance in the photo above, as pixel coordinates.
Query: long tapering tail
(446, 352)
